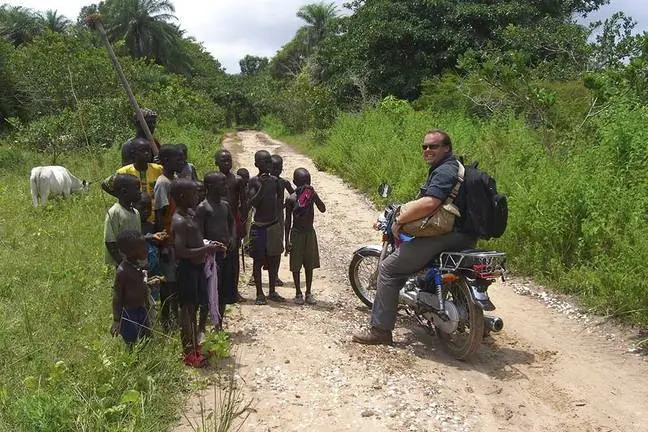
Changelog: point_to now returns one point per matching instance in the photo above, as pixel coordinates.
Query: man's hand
(114, 328)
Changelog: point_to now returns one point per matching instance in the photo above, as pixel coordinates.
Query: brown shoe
(375, 336)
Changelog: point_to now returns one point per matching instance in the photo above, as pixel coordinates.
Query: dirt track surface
(550, 369)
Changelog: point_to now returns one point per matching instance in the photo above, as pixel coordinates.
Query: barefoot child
(131, 296)
(216, 222)
(301, 240)
(284, 185)
(236, 199)
(171, 158)
(245, 218)
(190, 251)
(245, 175)
(122, 215)
(266, 243)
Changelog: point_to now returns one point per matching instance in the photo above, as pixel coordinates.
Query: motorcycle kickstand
(428, 326)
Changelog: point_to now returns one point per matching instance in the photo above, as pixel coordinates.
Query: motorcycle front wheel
(467, 338)
(363, 275)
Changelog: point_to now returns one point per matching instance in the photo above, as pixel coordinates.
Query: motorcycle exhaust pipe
(493, 323)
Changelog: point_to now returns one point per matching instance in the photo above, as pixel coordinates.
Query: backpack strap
(455, 189)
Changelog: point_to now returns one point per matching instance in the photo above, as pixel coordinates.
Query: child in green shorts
(301, 240)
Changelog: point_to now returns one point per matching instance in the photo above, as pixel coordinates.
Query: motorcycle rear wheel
(363, 275)
(466, 340)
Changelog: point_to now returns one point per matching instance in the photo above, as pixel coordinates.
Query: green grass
(577, 203)
(60, 370)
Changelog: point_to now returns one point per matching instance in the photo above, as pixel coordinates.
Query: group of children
(177, 239)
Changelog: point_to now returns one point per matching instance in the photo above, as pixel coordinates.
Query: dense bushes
(72, 97)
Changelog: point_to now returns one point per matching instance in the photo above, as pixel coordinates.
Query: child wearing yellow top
(146, 172)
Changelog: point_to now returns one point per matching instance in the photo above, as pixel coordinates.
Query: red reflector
(482, 271)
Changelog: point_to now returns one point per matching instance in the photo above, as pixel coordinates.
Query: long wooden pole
(94, 21)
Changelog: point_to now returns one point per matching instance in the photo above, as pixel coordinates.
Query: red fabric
(305, 197)
(239, 225)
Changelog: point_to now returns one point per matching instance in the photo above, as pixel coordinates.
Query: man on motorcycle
(413, 256)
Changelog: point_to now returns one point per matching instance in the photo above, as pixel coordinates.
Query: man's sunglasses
(431, 146)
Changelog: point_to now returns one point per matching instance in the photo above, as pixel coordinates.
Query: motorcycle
(448, 297)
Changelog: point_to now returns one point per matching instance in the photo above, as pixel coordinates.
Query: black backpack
(486, 211)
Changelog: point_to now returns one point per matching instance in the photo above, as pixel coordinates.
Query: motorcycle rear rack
(485, 264)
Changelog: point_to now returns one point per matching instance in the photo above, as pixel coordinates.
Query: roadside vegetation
(554, 110)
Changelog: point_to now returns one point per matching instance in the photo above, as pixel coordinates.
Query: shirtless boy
(131, 296)
(216, 222)
(284, 185)
(301, 240)
(236, 199)
(171, 158)
(190, 252)
(265, 232)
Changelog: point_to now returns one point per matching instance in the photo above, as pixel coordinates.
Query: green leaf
(31, 383)
(104, 388)
(131, 396)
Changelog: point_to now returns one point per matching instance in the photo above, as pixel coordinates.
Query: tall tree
(291, 57)
(55, 22)
(615, 44)
(10, 97)
(318, 16)
(321, 20)
(19, 25)
(393, 45)
(146, 27)
(251, 65)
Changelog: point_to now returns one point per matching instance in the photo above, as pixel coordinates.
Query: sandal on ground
(195, 360)
(279, 283)
(310, 299)
(274, 296)
(299, 299)
(261, 300)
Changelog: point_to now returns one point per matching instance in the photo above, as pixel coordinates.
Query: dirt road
(549, 369)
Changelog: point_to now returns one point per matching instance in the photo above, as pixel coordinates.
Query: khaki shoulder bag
(442, 220)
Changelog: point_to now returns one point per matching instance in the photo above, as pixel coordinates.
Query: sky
(230, 29)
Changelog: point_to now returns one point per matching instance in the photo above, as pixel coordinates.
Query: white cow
(48, 181)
